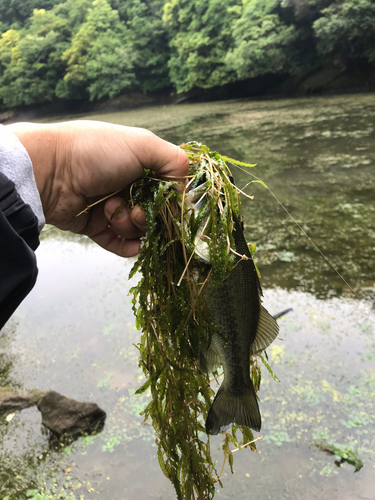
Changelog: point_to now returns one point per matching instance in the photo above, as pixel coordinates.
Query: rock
(6, 116)
(318, 80)
(12, 399)
(62, 415)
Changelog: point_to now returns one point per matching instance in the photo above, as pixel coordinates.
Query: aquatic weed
(171, 311)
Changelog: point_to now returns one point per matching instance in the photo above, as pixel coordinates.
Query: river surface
(75, 332)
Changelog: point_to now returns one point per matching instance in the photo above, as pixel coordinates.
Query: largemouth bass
(245, 327)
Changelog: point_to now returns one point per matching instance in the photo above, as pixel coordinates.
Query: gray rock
(62, 415)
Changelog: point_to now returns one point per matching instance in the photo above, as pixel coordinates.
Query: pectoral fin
(267, 331)
(211, 358)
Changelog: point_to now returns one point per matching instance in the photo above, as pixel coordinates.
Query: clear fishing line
(308, 237)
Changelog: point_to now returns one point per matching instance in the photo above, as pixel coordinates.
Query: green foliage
(262, 42)
(347, 28)
(346, 454)
(342, 453)
(100, 56)
(201, 35)
(30, 60)
(265, 362)
(19, 11)
(85, 49)
(74, 11)
(149, 39)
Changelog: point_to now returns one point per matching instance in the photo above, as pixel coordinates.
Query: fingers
(165, 158)
(123, 223)
(113, 242)
(138, 218)
(119, 235)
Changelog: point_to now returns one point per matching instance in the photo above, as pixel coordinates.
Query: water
(74, 332)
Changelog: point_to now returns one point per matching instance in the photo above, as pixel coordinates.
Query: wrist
(40, 142)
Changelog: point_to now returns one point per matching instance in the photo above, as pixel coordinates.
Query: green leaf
(143, 387)
(230, 461)
(268, 368)
(237, 162)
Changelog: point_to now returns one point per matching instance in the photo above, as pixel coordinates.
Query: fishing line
(306, 236)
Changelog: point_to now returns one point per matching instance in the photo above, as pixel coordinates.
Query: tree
(149, 37)
(262, 42)
(31, 60)
(200, 34)
(19, 11)
(75, 12)
(100, 58)
(347, 29)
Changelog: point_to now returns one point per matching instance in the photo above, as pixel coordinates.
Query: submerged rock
(12, 399)
(62, 415)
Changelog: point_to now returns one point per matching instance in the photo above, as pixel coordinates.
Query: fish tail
(229, 408)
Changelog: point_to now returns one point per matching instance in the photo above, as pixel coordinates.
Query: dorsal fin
(267, 331)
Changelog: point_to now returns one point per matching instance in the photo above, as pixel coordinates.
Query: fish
(195, 199)
(245, 328)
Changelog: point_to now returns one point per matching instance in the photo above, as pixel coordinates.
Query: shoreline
(326, 82)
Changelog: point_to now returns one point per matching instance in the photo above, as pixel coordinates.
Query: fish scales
(235, 307)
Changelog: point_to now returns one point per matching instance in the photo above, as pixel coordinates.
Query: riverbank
(327, 81)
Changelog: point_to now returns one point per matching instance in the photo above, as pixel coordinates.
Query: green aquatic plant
(172, 312)
(343, 453)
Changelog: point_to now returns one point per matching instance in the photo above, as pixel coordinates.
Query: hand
(76, 163)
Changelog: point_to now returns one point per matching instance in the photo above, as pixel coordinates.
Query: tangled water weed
(170, 304)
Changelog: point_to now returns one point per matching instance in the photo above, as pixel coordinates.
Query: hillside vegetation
(54, 50)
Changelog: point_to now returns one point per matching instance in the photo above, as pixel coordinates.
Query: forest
(84, 50)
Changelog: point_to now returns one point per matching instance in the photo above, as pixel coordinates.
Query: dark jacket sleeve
(19, 238)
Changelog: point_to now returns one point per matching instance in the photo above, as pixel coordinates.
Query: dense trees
(100, 58)
(31, 60)
(347, 29)
(18, 11)
(263, 42)
(200, 37)
(94, 49)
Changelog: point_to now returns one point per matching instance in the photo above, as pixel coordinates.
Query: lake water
(75, 332)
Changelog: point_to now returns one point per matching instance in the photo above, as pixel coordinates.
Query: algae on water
(173, 316)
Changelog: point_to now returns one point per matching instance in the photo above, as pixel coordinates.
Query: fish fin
(228, 408)
(267, 331)
(209, 360)
(203, 362)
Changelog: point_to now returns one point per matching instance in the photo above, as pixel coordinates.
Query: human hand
(77, 163)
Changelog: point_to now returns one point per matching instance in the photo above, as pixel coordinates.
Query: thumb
(168, 160)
